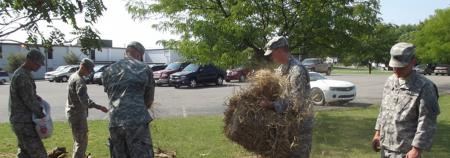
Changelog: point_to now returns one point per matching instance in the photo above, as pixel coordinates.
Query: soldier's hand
(413, 153)
(376, 145)
(103, 109)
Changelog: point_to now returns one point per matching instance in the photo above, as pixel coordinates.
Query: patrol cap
(274, 43)
(37, 56)
(401, 54)
(136, 45)
(88, 63)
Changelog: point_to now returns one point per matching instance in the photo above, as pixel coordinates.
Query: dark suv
(162, 76)
(194, 74)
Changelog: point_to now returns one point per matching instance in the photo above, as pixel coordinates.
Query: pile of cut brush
(257, 129)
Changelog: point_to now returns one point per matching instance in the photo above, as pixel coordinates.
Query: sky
(116, 24)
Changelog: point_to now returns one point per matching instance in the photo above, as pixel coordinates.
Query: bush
(71, 58)
(15, 61)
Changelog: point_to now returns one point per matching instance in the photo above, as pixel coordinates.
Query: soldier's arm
(428, 111)
(150, 91)
(300, 91)
(83, 96)
(28, 97)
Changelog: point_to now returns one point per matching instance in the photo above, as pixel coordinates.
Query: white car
(4, 77)
(325, 90)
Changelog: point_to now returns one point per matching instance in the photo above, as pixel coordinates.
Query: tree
(28, 15)
(432, 38)
(223, 31)
(71, 58)
(15, 61)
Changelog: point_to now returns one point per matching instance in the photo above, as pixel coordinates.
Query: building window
(92, 54)
(50, 53)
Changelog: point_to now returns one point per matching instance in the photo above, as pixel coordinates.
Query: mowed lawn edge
(337, 133)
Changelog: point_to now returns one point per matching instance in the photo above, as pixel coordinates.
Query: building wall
(106, 55)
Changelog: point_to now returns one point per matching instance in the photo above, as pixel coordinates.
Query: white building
(106, 55)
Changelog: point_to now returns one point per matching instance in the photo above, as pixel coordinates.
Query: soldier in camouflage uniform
(130, 87)
(406, 123)
(296, 93)
(23, 103)
(78, 102)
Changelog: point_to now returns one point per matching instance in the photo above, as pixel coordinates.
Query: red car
(239, 74)
(162, 76)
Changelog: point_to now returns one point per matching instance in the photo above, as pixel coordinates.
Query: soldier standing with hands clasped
(406, 123)
(78, 103)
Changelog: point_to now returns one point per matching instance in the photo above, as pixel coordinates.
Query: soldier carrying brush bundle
(78, 103)
(406, 123)
(297, 92)
(130, 87)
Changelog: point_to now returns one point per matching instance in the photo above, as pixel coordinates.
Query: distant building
(55, 58)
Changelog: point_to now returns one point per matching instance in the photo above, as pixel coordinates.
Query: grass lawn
(358, 71)
(338, 134)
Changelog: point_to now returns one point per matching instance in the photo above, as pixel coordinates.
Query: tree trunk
(370, 68)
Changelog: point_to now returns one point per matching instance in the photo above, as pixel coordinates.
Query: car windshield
(191, 68)
(309, 61)
(97, 67)
(173, 66)
(60, 68)
(316, 76)
(67, 69)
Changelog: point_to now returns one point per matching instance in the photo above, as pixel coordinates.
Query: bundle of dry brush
(260, 130)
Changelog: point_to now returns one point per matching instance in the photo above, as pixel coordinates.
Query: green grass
(358, 71)
(337, 133)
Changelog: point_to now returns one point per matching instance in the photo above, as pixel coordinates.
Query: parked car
(325, 90)
(423, 69)
(442, 69)
(162, 76)
(193, 75)
(64, 74)
(157, 67)
(239, 74)
(49, 75)
(317, 65)
(97, 68)
(4, 77)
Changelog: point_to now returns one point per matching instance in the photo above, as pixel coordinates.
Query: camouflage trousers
(131, 142)
(391, 154)
(79, 127)
(305, 139)
(30, 145)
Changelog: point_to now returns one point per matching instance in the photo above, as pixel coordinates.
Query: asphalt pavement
(209, 100)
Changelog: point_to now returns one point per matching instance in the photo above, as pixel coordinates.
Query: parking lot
(171, 102)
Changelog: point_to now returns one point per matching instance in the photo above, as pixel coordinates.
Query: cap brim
(397, 64)
(268, 52)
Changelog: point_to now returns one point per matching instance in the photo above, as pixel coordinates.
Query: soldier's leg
(117, 143)
(305, 139)
(30, 145)
(79, 132)
(139, 142)
(391, 154)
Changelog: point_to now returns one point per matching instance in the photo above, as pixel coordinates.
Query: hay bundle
(257, 129)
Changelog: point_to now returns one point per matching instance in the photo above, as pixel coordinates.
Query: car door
(210, 73)
(201, 74)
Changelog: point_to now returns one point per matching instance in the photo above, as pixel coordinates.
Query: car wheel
(193, 83)
(317, 97)
(328, 73)
(64, 79)
(242, 78)
(176, 86)
(2, 82)
(219, 81)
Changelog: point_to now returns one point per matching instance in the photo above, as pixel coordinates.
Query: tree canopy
(27, 15)
(229, 32)
(432, 38)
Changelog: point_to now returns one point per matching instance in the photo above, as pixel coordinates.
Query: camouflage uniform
(78, 102)
(23, 103)
(298, 93)
(407, 115)
(130, 87)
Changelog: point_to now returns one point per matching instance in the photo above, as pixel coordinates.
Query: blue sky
(116, 24)
(410, 11)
